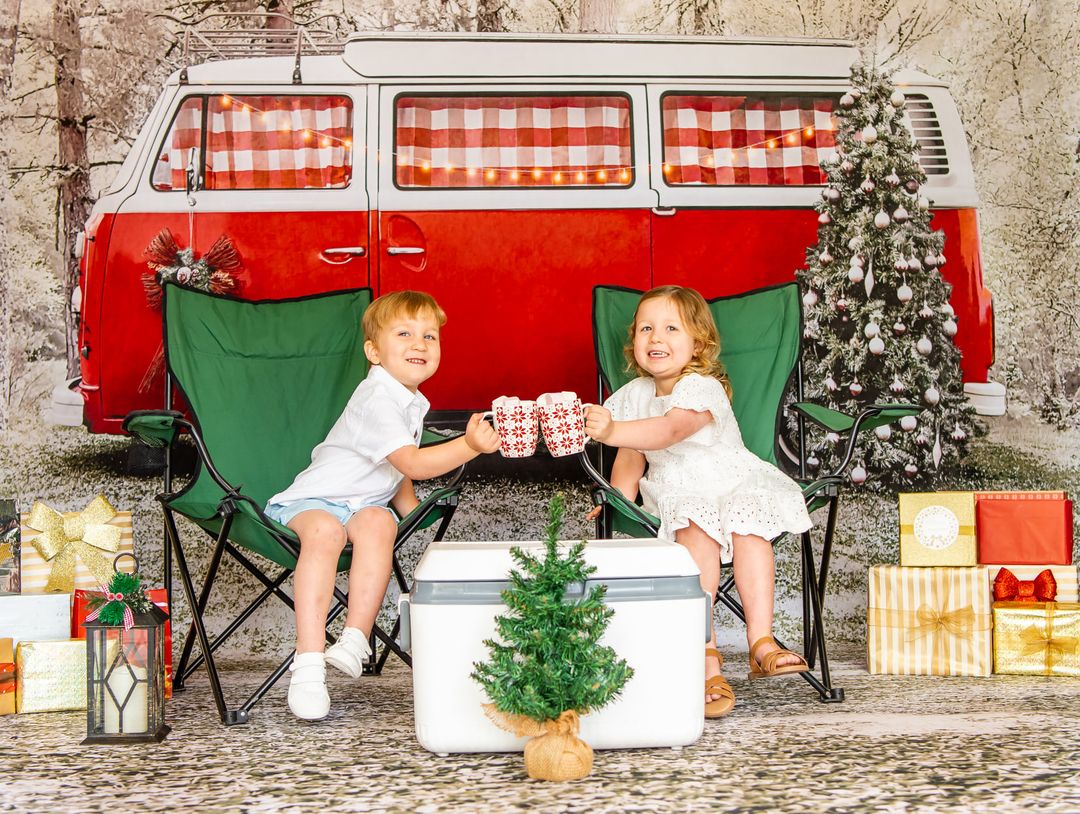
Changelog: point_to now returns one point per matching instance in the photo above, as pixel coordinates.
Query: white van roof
(478, 57)
(473, 56)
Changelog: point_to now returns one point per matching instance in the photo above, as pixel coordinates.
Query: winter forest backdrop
(79, 76)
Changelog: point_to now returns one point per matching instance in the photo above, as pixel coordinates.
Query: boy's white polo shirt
(350, 466)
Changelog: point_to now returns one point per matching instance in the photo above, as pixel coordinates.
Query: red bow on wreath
(1007, 588)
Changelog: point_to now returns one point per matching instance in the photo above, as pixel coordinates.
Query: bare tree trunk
(9, 31)
(487, 15)
(279, 7)
(599, 16)
(74, 185)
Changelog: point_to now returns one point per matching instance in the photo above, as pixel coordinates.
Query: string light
(285, 123)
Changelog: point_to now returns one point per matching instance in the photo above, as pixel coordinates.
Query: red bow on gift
(1007, 588)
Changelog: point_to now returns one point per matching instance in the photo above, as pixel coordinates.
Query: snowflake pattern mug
(516, 423)
(562, 418)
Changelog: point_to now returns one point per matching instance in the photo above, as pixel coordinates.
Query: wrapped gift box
(158, 596)
(10, 548)
(1025, 528)
(62, 552)
(1065, 578)
(929, 621)
(937, 528)
(35, 617)
(7, 677)
(1037, 638)
(50, 676)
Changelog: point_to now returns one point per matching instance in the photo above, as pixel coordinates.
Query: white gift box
(35, 617)
(659, 627)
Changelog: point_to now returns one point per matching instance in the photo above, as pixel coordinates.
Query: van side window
(184, 135)
(513, 141)
(746, 140)
(261, 142)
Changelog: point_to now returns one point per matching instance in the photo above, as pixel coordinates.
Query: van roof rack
(250, 34)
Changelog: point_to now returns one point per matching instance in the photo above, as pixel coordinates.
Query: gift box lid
(464, 572)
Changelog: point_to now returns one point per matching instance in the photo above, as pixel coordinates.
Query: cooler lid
(453, 561)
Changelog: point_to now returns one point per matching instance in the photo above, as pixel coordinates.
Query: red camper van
(507, 175)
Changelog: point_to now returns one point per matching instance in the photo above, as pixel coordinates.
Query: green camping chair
(264, 382)
(760, 339)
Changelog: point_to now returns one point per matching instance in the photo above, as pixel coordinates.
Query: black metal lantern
(125, 679)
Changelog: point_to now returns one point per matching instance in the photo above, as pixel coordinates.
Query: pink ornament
(911, 470)
(877, 346)
(883, 433)
(881, 219)
(858, 474)
(855, 274)
(892, 179)
(825, 258)
(855, 388)
(899, 328)
(897, 386)
(958, 433)
(908, 423)
(810, 298)
(824, 219)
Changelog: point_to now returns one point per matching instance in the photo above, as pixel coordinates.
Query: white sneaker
(349, 652)
(308, 698)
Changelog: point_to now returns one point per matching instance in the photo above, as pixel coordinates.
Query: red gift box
(1024, 528)
(79, 610)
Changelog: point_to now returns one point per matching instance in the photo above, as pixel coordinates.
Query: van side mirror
(191, 174)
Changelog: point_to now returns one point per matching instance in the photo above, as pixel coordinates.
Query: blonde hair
(408, 304)
(701, 326)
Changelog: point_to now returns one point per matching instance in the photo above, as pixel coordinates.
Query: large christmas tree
(878, 326)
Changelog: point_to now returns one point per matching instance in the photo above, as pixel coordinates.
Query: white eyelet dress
(710, 477)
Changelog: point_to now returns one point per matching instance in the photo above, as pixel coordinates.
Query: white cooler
(659, 627)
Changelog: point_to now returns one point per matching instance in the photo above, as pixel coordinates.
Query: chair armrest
(876, 415)
(155, 428)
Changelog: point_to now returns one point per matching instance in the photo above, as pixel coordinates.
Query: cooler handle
(405, 632)
(708, 616)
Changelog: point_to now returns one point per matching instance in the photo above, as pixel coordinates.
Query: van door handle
(355, 251)
(404, 250)
(664, 211)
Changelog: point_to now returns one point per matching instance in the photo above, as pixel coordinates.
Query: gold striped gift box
(929, 621)
(36, 569)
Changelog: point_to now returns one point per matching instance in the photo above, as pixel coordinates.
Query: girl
(712, 495)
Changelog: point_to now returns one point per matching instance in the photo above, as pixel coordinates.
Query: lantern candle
(122, 682)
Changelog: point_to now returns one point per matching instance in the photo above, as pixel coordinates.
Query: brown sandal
(767, 667)
(717, 685)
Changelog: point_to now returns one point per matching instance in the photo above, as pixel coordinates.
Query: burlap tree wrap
(555, 752)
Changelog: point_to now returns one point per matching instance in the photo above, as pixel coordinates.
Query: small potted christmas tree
(549, 667)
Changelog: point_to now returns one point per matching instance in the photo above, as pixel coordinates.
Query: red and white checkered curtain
(513, 141)
(267, 142)
(747, 140)
(186, 134)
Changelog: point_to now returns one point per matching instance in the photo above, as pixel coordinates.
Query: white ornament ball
(924, 346)
(947, 310)
(892, 179)
(882, 219)
(825, 258)
(958, 433)
(871, 330)
(932, 396)
(904, 293)
(877, 346)
(884, 432)
(824, 218)
(810, 299)
(869, 134)
(923, 204)
(855, 243)
(846, 165)
(930, 261)
(897, 99)
(832, 438)
(847, 100)
(841, 305)
(897, 386)
(855, 274)
(867, 186)
(900, 264)
(911, 470)
(813, 462)
(949, 328)
(899, 328)
(855, 388)
(908, 423)
(858, 475)
(831, 385)
(856, 93)
(900, 215)
(914, 264)
(857, 260)
(926, 311)
(831, 194)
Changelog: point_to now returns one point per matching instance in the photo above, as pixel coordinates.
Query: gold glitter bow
(1053, 647)
(72, 536)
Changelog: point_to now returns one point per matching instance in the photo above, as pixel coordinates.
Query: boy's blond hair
(397, 304)
(699, 323)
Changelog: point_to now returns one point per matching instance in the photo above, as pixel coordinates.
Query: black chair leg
(182, 672)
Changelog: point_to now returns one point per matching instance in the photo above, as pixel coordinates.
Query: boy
(369, 459)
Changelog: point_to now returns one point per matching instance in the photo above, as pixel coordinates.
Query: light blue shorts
(284, 512)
